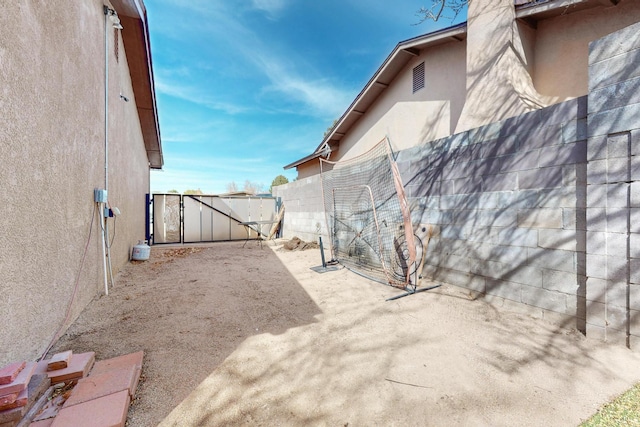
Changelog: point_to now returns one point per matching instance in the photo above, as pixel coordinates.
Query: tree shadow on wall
(508, 202)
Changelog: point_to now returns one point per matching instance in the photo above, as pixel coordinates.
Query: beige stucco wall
(308, 169)
(408, 118)
(505, 68)
(52, 147)
(562, 46)
(499, 82)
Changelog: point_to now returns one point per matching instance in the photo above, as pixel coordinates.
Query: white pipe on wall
(106, 148)
(106, 101)
(108, 13)
(104, 255)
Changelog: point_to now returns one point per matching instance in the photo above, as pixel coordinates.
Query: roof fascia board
(306, 159)
(535, 8)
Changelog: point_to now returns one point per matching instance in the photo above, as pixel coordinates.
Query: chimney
(499, 85)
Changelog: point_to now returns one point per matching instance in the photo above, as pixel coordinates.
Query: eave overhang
(135, 37)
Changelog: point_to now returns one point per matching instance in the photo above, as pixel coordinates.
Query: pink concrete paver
(21, 381)
(9, 373)
(103, 384)
(107, 411)
(78, 367)
(42, 423)
(118, 362)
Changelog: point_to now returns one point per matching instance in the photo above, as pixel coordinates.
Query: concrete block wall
(304, 210)
(507, 200)
(542, 209)
(613, 188)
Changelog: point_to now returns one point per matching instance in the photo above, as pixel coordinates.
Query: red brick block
(9, 373)
(37, 386)
(20, 382)
(59, 361)
(19, 401)
(107, 411)
(8, 398)
(78, 367)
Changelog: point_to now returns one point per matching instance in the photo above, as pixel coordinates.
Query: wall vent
(418, 77)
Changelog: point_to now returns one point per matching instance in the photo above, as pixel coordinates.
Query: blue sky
(245, 87)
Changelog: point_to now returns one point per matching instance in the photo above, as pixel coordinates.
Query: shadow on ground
(188, 309)
(435, 358)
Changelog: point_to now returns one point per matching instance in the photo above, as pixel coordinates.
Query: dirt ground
(252, 336)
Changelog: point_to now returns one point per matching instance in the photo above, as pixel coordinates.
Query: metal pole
(324, 263)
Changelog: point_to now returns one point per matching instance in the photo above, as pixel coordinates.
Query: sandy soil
(251, 336)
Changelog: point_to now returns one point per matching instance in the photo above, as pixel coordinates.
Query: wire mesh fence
(368, 217)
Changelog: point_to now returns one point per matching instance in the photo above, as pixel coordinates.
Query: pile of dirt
(180, 252)
(297, 244)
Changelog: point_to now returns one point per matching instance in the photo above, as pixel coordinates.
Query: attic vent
(116, 44)
(418, 77)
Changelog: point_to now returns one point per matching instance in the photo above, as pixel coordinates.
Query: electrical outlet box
(100, 195)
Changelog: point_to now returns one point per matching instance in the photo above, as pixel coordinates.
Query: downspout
(113, 16)
(106, 149)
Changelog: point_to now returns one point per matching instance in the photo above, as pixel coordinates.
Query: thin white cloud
(288, 73)
(272, 7)
(196, 96)
(319, 95)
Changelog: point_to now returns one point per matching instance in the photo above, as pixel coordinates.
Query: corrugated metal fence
(176, 218)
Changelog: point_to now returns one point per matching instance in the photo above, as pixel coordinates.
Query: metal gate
(175, 218)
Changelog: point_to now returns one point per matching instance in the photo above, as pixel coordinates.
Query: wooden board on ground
(276, 226)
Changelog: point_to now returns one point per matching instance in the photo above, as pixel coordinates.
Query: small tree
(439, 8)
(196, 192)
(252, 187)
(278, 180)
(232, 187)
(328, 130)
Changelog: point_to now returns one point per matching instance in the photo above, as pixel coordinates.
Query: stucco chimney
(498, 83)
